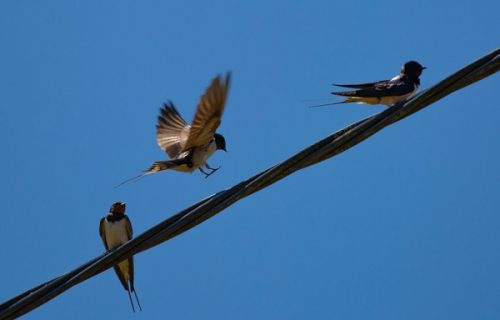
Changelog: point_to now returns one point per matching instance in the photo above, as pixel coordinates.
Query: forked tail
(160, 166)
(329, 104)
(136, 299)
(131, 179)
(131, 302)
(155, 167)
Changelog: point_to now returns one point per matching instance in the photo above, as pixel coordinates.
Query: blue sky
(403, 226)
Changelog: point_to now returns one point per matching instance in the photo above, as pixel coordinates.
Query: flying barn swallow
(386, 92)
(189, 146)
(115, 229)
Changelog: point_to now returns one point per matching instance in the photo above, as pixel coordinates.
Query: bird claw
(212, 171)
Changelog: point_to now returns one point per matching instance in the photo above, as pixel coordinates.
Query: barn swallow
(189, 146)
(115, 229)
(386, 92)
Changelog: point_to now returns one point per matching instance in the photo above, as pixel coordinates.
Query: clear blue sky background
(403, 226)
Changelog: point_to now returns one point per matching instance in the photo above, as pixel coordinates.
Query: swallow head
(412, 69)
(220, 142)
(118, 207)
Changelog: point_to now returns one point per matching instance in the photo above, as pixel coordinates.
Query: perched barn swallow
(386, 92)
(189, 146)
(115, 229)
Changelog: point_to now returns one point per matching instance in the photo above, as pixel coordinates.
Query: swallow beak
(424, 68)
(224, 149)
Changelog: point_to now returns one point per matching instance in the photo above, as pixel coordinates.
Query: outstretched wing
(208, 113)
(172, 130)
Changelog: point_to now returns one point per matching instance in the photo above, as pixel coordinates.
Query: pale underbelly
(185, 168)
(116, 234)
(382, 100)
(198, 158)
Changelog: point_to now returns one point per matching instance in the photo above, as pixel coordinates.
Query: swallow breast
(116, 233)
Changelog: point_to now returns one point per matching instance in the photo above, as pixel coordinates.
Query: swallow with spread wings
(190, 146)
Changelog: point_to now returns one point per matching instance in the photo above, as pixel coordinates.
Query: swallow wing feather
(171, 130)
(396, 87)
(361, 85)
(208, 113)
